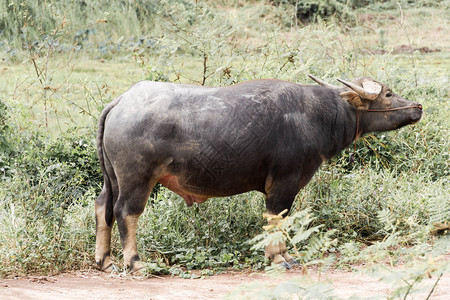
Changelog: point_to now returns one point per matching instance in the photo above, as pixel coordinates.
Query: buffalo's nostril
(419, 106)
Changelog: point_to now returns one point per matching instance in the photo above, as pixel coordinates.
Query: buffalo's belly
(198, 187)
(171, 182)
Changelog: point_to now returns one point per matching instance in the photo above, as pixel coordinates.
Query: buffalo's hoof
(293, 262)
(110, 269)
(285, 265)
(136, 268)
(113, 268)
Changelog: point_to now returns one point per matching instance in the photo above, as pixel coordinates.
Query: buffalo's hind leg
(103, 231)
(127, 209)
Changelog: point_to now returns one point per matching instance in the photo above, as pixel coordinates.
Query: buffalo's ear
(353, 98)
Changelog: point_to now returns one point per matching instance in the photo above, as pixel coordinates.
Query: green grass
(79, 89)
(49, 174)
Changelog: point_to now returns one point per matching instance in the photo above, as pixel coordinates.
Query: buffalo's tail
(107, 188)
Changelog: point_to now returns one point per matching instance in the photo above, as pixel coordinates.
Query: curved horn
(360, 91)
(321, 82)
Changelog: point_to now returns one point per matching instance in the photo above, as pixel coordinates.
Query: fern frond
(386, 218)
(439, 207)
(303, 235)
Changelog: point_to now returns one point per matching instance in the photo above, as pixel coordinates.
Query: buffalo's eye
(389, 94)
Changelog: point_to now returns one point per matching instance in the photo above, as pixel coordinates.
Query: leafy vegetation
(61, 66)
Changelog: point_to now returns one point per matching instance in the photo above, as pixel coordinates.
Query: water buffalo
(203, 142)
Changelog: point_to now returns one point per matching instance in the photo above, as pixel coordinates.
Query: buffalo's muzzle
(417, 116)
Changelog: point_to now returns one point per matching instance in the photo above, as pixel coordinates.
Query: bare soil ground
(98, 285)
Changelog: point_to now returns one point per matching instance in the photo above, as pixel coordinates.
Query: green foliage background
(62, 61)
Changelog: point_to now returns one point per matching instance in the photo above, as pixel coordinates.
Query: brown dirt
(98, 285)
(405, 49)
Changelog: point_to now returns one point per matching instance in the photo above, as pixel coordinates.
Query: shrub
(47, 199)
(5, 146)
(314, 10)
(211, 235)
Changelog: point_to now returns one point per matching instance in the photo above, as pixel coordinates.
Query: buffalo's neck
(343, 130)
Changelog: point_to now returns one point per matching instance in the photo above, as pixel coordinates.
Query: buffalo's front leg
(280, 195)
(277, 252)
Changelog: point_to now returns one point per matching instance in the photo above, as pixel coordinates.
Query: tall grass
(25, 23)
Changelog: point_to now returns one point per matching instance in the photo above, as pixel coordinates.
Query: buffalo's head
(380, 109)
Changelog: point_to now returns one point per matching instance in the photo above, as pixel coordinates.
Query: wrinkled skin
(202, 142)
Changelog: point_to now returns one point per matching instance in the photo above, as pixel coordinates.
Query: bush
(346, 11)
(47, 197)
(315, 10)
(5, 146)
(211, 235)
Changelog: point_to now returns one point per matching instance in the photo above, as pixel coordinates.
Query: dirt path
(97, 285)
